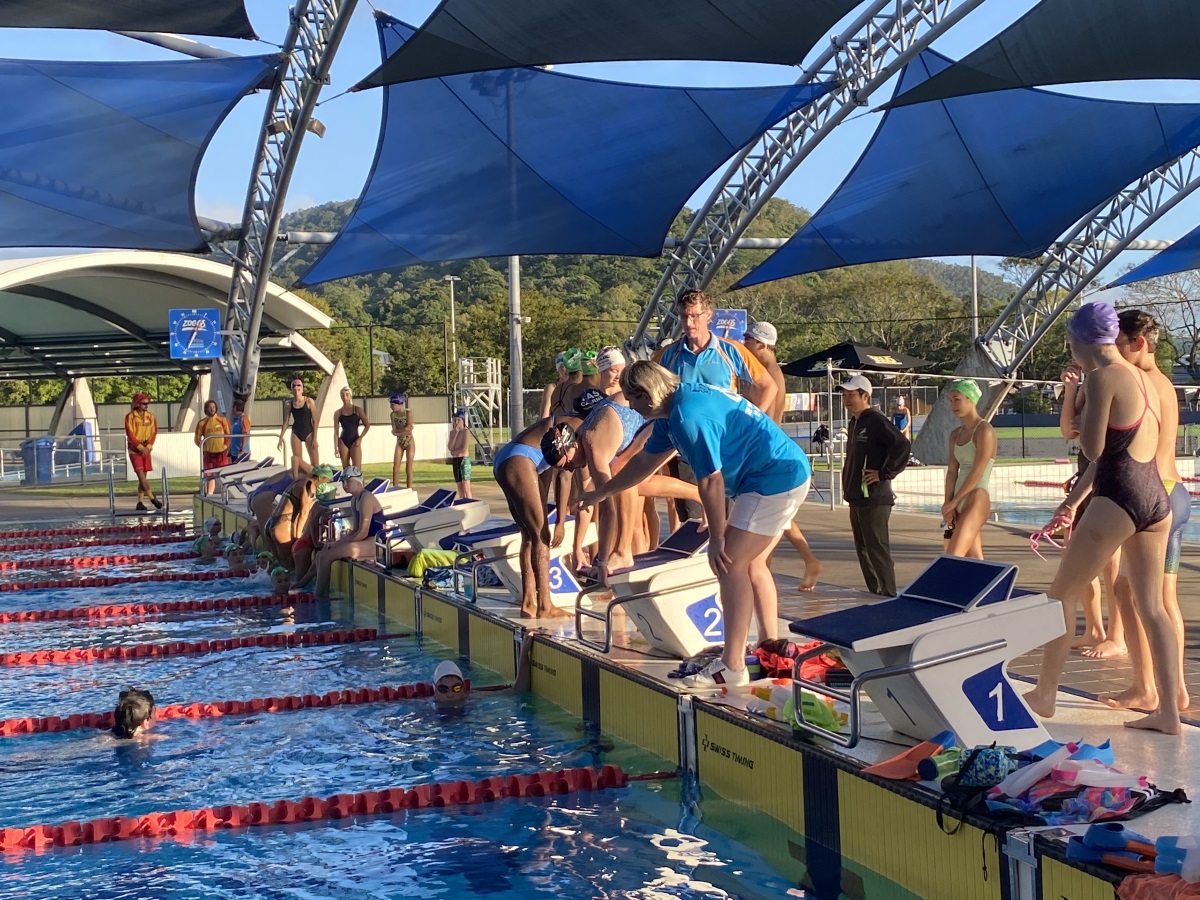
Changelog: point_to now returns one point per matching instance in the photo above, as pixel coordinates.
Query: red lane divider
(157, 528)
(143, 539)
(313, 809)
(153, 609)
(93, 562)
(288, 703)
(110, 580)
(190, 648)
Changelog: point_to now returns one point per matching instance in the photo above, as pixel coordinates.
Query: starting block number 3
(561, 580)
(992, 696)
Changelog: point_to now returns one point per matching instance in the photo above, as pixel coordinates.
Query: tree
(1175, 301)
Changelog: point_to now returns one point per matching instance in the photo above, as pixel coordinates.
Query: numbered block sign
(706, 615)
(993, 697)
(561, 580)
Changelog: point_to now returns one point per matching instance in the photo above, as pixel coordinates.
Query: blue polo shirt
(720, 364)
(719, 431)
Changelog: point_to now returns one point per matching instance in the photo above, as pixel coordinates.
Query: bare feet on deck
(551, 612)
(1088, 639)
(812, 571)
(1185, 699)
(1131, 699)
(1106, 649)
(619, 561)
(1040, 704)
(1158, 721)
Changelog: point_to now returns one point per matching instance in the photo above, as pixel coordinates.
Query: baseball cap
(589, 398)
(556, 442)
(967, 388)
(445, 669)
(763, 332)
(856, 383)
(609, 357)
(352, 472)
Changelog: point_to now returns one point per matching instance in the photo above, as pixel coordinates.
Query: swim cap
(396, 398)
(322, 470)
(589, 363)
(967, 388)
(210, 522)
(1094, 324)
(460, 413)
(445, 668)
(609, 357)
(556, 442)
(589, 398)
(139, 398)
(265, 554)
(326, 492)
(278, 570)
(558, 360)
(573, 359)
(352, 472)
(232, 546)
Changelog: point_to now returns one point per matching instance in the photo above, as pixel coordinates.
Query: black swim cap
(556, 442)
(588, 399)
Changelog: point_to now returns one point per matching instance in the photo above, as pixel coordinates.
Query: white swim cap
(210, 522)
(447, 667)
(609, 357)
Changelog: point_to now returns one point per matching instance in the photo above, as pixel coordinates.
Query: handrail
(606, 616)
(166, 492)
(112, 495)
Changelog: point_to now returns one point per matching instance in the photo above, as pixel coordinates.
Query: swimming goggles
(1048, 531)
(447, 689)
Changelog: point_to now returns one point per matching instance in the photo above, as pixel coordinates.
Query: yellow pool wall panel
(1062, 882)
(639, 714)
(399, 605)
(492, 645)
(557, 676)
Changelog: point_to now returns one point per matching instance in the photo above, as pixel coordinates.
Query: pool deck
(853, 824)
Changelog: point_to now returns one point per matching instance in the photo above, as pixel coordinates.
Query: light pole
(453, 331)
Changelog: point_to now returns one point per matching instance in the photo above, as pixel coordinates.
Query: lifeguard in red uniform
(141, 429)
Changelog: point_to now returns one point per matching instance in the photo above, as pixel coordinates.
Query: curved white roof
(106, 313)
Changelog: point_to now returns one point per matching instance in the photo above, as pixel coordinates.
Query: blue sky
(334, 168)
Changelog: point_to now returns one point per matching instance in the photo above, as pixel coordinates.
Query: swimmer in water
(450, 689)
(264, 562)
(235, 560)
(134, 714)
(281, 581)
(207, 548)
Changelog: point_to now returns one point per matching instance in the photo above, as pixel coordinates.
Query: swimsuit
(1181, 513)
(302, 421)
(1134, 486)
(348, 423)
(558, 406)
(965, 455)
(399, 423)
(377, 522)
(631, 420)
(516, 448)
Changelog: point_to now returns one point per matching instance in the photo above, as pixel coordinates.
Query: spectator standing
(141, 430)
(213, 431)
(402, 428)
(350, 427)
(239, 445)
(901, 417)
(459, 448)
(701, 357)
(300, 412)
(876, 452)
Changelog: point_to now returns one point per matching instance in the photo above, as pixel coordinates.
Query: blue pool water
(651, 840)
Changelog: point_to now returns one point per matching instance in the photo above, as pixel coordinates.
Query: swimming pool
(648, 840)
(1034, 516)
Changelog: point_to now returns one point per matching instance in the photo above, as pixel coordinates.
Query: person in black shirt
(876, 452)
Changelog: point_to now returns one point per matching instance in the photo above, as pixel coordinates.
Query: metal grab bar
(112, 495)
(166, 492)
(476, 564)
(606, 616)
(853, 696)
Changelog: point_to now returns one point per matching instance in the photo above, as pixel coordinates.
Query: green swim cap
(589, 363)
(265, 554)
(967, 388)
(322, 471)
(277, 570)
(572, 360)
(232, 546)
(327, 492)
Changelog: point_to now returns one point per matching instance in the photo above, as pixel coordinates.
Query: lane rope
(191, 648)
(93, 562)
(130, 610)
(110, 580)
(144, 540)
(439, 795)
(127, 530)
(288, 703)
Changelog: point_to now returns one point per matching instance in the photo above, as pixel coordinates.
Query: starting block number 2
(707, 617)
(993, 697)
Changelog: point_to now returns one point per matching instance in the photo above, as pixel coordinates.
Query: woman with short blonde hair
(651, 381)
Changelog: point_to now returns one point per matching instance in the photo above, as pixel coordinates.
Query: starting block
(500, 548)
(423, 526)
(935, 657)
(670, 593)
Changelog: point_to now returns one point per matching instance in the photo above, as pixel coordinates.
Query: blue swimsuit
(631, 420)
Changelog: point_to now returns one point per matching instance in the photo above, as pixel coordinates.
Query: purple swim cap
(1094, 323)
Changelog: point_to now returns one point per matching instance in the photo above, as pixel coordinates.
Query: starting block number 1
(993, 697)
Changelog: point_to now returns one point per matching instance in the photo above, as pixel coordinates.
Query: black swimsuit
(348, 423)
(302, 422)
(1134, 486)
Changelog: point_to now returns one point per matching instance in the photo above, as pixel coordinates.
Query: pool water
(650, 840)
(1034, 516)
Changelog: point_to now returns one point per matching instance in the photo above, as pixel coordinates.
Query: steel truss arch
(1068, 268)
(872, 49)
(316, 30)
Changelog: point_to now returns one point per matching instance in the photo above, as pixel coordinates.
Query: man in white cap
(876, 452)
(760, 339)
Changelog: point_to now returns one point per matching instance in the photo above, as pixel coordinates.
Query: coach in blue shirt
(738, 453)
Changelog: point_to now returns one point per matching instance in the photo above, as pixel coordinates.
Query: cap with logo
(589, 398)
(557, 442)
(764, 333)
(609, 357)
(352, 472)
(856, 383)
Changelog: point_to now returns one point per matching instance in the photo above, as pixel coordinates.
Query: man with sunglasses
(450, 689)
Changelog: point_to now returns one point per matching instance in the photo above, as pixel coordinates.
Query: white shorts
(767, 514)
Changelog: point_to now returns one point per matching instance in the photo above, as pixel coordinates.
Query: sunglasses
(448, 689)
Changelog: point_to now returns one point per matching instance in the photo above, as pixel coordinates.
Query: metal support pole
(974, 301)
(453, 325)
(516, 362)
(371, 355)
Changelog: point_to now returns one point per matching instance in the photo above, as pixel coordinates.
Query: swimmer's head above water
(134, 713)
(281, 580)
(449, 686)
(265, 561)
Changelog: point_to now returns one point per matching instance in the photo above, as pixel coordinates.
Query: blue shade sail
(105, 154)
(1001, 174)
(528, 162)
(1077, 41)
(1182, 256)
(218, 18)
(478, 35)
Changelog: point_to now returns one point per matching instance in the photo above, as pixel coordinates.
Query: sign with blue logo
(729, 323)
(195, 333)
(996, 702)
(561, 579)
(707, 617)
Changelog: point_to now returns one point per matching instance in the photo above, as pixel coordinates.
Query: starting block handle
(475, 564)
(606, 616)
(853, 696)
